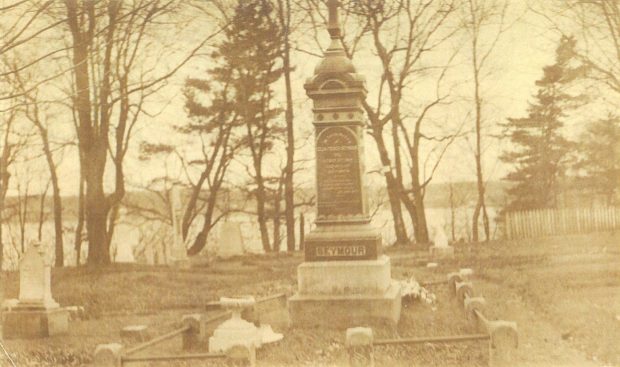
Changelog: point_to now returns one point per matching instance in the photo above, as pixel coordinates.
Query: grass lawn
(564, 293)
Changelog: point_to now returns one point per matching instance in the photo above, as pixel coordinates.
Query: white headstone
(230, 240)
(440, 239)
(35, 279)
(124, 253)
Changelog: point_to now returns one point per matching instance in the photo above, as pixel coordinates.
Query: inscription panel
(360, 249)
(339, 186)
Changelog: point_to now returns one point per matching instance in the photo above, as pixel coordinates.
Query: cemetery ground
(563, 292)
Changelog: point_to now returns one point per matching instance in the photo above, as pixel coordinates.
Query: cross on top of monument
(333, 26)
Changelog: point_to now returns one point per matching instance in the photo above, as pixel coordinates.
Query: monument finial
(333, 25)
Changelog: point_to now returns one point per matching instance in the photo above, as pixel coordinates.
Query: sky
(516, 63)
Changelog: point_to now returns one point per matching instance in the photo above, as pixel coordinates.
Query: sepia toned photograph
(310, 183)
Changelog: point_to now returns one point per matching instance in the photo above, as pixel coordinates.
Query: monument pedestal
(31, 322)
(345, 293)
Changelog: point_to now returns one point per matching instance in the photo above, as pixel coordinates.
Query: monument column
(345, 279)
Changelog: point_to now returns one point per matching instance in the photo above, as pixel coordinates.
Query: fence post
(108, 355)
(359, 346)
(191, 337)
(472, 304)
(504, 342)
(453, 278)
(464, 289)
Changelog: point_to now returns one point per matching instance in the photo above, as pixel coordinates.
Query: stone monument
(36, 313)
(344, 279)
(230, 242)
(440, 248)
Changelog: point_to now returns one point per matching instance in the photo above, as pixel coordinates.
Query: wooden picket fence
(551, 222)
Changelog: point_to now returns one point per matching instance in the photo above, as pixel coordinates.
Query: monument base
(345, 311)
(345, 293)
(442, 252)
(30, 323)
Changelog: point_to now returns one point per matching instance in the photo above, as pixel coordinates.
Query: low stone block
(246, 352)
(463, 290)
(453, 278)
(108, 355)
(251, 314)
(29, 324)
(504, 342)
(9, 304)
(345, 310)
(191, 338)
(263, 307)
(75, 312)
(466, 273)
(134, 334)
(359, 336)
(472, 304)
(359, 346)
(441, 252)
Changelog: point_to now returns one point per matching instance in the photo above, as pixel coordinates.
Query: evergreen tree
(600, 162)
(540, 151)
(253, 49)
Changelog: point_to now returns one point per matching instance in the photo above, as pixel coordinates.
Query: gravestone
(344, 279)
(440, 248)
(124, 253)
(230, 240)
(36, 313)
(126, 238)
(179, 250)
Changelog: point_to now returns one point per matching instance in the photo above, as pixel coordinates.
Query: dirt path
(540, 342)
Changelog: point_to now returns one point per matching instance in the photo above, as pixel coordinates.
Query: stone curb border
(504, 338)
(502, 335)
(115, 355)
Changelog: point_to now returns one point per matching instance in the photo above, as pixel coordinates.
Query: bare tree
(482, 18)
(12, 141)
(7, 157)
(414, 30)
(111, 45)
(33, 107)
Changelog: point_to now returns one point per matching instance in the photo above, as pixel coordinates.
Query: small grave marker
(36, 314)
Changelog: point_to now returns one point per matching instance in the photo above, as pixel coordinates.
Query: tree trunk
(480, 205)
(276, 226)
(452, 213)
(420, 227)
(289, 194)
(79, 228)
(96, 212)
(302, 231)
(4, 185)
(392, 185)
(394, 198)
(261, 215)
(59, 260)
(42, 212)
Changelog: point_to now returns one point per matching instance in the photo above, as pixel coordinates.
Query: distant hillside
(437, 195)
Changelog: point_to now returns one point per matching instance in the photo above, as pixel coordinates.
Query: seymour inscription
(338, 173)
